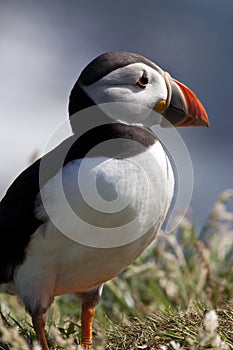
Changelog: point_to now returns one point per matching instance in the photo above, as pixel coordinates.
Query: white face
(124, 99)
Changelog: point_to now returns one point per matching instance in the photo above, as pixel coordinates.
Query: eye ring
(143, 81)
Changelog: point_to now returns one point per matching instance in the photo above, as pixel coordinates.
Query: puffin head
(147, 95)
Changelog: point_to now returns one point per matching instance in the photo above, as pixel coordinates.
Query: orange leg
(39, 324)
(86, 323)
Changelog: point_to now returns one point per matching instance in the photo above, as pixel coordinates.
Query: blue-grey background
(45, 44)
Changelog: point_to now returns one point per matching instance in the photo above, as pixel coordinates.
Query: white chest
(102, 202)
(111, 211)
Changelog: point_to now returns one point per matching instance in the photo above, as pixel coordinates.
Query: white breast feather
(145, 196)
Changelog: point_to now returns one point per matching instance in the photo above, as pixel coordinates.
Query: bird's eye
(143, 81)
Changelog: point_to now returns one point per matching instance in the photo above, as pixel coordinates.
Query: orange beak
(183, 108)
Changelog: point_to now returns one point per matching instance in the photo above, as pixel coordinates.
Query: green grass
(162, 301)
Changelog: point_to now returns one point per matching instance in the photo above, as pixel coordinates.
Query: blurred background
(44, 46)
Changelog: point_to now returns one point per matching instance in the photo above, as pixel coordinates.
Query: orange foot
(87, 346)
(86, 320)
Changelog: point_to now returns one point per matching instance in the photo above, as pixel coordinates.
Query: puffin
(85, 210)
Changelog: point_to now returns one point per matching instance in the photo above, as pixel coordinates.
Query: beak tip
(204, 117)
(203, 120)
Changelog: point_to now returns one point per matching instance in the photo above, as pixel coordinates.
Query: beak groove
(183, 108)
